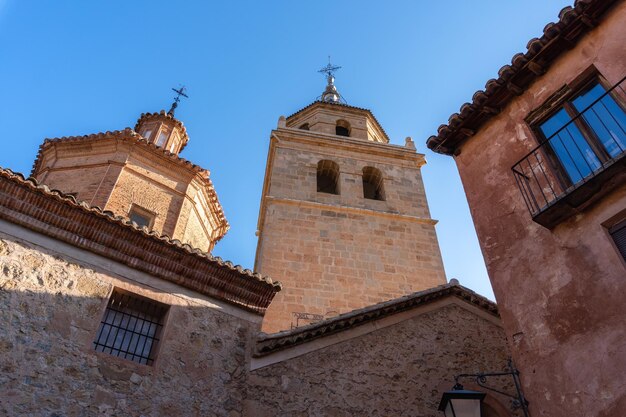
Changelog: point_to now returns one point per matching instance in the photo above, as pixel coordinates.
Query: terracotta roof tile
(513, 78)
(269, 343)
(143, 249)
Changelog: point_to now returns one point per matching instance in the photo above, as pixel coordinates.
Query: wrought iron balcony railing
(578, 153)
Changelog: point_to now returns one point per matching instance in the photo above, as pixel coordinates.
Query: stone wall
(399, 370)
(561, 291)
(335, 253)
(51, 309)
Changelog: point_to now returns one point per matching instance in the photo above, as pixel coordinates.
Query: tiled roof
(130, 135)
(61, 216)
(513, 79)
(269, 343)
(318, 102)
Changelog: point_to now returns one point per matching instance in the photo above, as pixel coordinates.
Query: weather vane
(180, 92)
(329, 69)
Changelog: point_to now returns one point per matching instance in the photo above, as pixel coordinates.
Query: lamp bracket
(517, 401)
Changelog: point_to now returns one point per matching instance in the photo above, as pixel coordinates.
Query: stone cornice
(351, 209)
(350, 144)
(60, 216)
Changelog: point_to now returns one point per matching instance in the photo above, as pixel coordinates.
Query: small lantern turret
(163, 129)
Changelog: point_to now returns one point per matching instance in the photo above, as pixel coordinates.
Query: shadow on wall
(50, 316)
(53, 309)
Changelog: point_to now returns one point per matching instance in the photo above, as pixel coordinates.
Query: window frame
(156, 338)
(142, 212)
(563, 99)
(617, 221)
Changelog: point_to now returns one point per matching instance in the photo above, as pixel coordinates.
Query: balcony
(583, 160)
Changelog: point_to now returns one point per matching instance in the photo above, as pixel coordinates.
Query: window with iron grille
(586, 132)
(131, 327)
(582, 145)
(618, 233)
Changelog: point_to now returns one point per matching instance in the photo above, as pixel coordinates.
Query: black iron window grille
(583, 138)
(131, 327)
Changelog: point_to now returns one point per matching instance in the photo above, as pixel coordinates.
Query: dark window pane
(606, 118)
(130, 327)
(574, 153)
(554, 123)
(342, 131)
(139, 219)
(327, 177)
(588, 96)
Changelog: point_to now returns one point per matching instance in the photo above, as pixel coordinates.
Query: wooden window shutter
(618, 232)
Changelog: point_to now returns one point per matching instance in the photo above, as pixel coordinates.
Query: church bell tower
(344, 221)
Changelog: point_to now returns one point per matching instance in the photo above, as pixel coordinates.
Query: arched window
(342, 128)
(304, 126)
(327, 177)
(373, 184)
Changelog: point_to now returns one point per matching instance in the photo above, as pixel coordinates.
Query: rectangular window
(618, 233)
(585, 133)
(141, 216)
(147, 133)
(131, 327)
(581, 131)
(162, 138)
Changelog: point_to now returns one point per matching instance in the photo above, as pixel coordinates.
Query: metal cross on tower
(330, 94)
(329, 69)
(180, 92)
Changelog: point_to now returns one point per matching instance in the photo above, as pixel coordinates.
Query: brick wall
(114, 174)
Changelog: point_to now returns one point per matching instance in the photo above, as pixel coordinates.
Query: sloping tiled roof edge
(269, 343)
(129, 134)
(525, 68)
(342, 105)
(60, 216)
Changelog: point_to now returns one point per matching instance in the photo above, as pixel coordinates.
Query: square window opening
(141, 216)
(131, 327)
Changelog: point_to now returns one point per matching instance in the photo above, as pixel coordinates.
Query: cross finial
(329, 69)
(330, 94)
(180, 92)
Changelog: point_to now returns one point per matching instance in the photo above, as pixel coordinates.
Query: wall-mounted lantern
(463, 403)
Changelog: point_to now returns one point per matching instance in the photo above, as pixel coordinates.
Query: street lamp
(463, 403)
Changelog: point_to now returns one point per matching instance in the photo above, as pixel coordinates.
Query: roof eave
(525, 68)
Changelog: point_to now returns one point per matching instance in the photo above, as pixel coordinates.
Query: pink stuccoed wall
(561, 292)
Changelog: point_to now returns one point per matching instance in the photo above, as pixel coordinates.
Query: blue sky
(80, 67)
